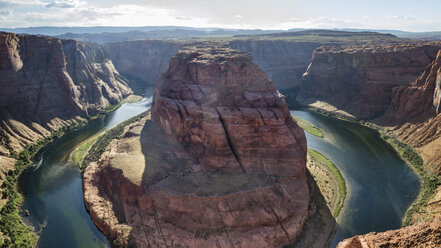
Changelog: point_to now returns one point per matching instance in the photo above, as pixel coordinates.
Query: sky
(407, 15)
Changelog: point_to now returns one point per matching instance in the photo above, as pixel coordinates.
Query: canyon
(396, 88)
(49, 83)
(284, 57)
(220, 162)
(206, 170)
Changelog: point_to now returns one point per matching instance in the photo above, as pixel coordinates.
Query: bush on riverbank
(103, 141)
(429, 180)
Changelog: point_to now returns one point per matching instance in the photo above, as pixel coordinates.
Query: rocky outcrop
(383, 82)
(426, 235)
(47, 83)
(415, 114)
(221, 163)
(283, 61)
(142, 61)
(360, 79)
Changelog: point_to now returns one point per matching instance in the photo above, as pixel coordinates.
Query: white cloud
(66, 4)
(401, 18)
(5, 14)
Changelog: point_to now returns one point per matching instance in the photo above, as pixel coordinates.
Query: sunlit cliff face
(437, 94)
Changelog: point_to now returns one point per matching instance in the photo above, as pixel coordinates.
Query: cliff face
(360, 79)
(283, 61)
(48, 82)
(426, 235)
(142, 61)
(220, 164)
(415, 110)
(383, 79)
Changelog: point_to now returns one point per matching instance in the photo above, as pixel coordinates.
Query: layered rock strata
(221, 163)
(142, 61)
(47, 82)
(360, 79)
(416, 117)
(410, 108)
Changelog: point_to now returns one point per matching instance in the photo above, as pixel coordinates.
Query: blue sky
(422, 15)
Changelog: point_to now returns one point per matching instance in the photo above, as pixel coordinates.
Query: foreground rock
(221, 163)
(426, 235)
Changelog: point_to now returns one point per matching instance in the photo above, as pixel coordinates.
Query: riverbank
(329, 180)
(326, 174)
(308, 127)
(13, 232)
(430, 182)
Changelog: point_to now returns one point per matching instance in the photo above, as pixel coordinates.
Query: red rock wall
(360, 79)
(46, 82)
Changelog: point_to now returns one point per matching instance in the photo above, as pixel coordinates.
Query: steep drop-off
(360, 79)
(283, 61)
(396, 87)
(47, 83)
(142, 61)
(284, 57)
(221, 163)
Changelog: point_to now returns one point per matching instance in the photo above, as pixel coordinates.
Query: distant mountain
(161, 34)
(103, 34)
(57, 31)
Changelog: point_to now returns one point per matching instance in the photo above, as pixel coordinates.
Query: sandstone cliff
(142, 61)
(283, 61)
(426, 235)
(47, 83)
(221, 163)
(360, 79)
(415, 113)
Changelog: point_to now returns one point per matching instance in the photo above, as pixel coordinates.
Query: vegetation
(17, 234)
(316, 156)
(103, 141)
(308, 127)
(429, 180)
(81, 152)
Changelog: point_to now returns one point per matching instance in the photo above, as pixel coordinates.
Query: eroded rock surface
(415, 110)
(225, 164)
(426, 235)
(46, 83)
(360, 79)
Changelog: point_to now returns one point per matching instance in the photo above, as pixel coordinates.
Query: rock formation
(360, 79)
(142, 61)
(220, 164)
(284, 59)
(426, 235)
(383, 82)
(46, 83)
(415, 114)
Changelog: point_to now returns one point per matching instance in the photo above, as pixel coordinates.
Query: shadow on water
(52, 187)
(380, 185)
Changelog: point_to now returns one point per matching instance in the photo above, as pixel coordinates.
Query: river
(381, 186)
(52, 187)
